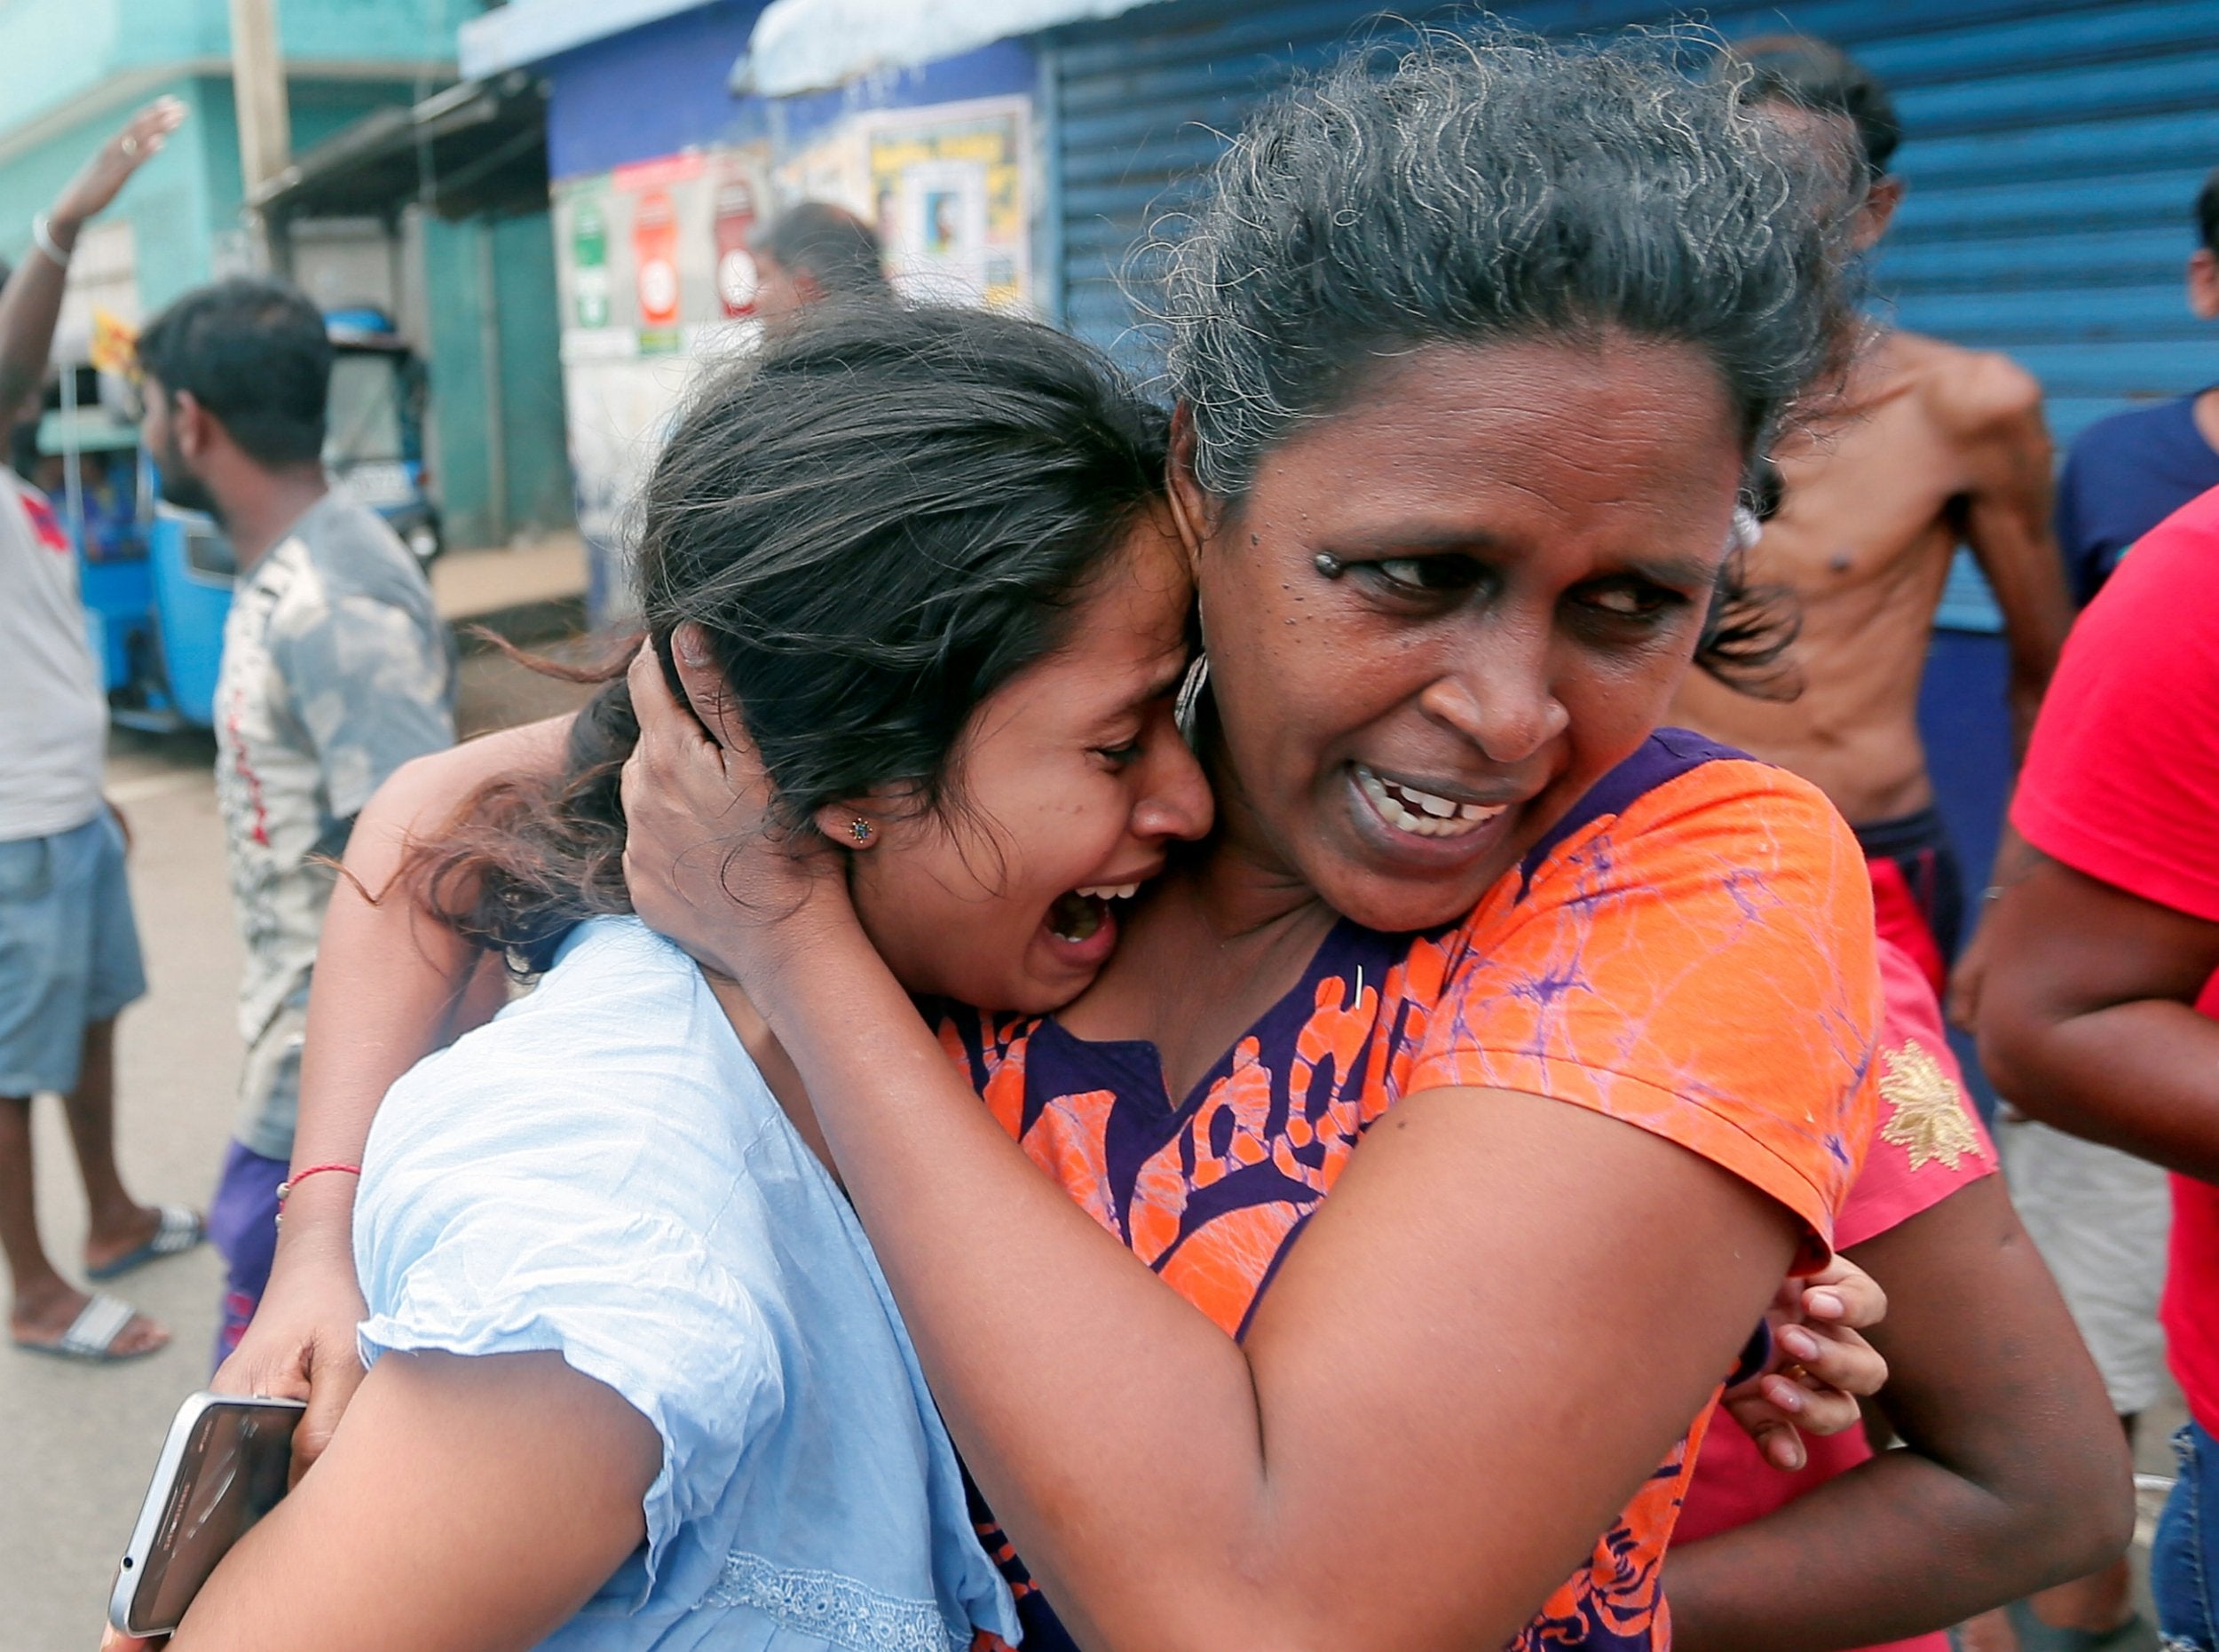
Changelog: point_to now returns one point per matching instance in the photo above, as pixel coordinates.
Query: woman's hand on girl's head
(1820, 1365)
(699, 827)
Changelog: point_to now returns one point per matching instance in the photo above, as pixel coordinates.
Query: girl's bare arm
(469, 1504)
(391, 984)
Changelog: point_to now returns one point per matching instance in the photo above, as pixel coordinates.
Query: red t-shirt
(1689, 951)
(2121, 784)
(1927, 1142)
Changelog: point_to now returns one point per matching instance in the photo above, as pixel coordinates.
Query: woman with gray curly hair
(1474, 345)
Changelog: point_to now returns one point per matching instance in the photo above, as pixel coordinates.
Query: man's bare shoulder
(1970, 393)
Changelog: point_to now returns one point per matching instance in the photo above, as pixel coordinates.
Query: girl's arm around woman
(393, 984)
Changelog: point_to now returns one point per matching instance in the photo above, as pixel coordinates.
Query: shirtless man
(1923, 447)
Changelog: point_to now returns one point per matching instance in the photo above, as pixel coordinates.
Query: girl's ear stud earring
(859, 829)
(1327, 564)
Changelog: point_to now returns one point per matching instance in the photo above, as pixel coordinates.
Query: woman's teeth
(1424, 813)
(1111, 891)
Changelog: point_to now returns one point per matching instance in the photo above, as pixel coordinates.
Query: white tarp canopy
(525, 31)
(804, 45)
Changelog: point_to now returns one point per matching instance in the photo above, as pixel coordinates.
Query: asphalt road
(78, 1444)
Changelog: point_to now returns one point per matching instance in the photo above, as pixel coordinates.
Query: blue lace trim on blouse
(832, 1608)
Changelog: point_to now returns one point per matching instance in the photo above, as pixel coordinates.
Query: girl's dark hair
(1473, 189)
(879, 520)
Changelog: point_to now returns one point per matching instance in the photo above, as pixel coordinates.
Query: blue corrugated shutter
(2052, 152)
(1141, 101)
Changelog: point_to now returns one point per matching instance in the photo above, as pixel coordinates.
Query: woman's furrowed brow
(1417, 539)
(1423, 540)
(1669, 571)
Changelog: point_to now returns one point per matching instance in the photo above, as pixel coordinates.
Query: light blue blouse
(603, 1172)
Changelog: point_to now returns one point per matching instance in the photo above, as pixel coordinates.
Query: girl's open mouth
(1078, 915)
(1083, 924)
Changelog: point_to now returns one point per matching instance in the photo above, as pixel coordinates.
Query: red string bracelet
(291, 1183)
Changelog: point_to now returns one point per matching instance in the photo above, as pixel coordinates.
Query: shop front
(664, 159)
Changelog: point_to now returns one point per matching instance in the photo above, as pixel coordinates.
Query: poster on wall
(949, 187)
(619, 410)
(656, 272)
(652, 258)
(951, 196)
(654, 276)
(736, 206)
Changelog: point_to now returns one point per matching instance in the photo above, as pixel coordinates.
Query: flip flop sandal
(178, 1231)
(92, 1335)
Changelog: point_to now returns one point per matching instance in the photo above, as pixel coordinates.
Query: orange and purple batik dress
(1689, 951)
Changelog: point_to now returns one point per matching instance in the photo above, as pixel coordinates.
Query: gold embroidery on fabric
(1928, 1120)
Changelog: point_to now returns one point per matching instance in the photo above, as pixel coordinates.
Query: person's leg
(242, 1225)
(45, 985)
(34, 996)
(2184, 1560)
(118, 1223)
(41, 1294)
(43, 1305)
(242, 1219)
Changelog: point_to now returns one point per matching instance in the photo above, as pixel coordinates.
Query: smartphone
(223, 1468)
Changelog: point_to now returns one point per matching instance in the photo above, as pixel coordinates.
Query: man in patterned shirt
(336, 670)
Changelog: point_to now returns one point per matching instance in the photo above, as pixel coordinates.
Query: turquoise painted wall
(72, 70)
(188, 194)
(528, 312)
(535, 493)
(168, 202)
(53, 53)
(455, 350)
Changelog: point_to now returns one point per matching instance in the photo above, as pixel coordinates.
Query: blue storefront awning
(807, 45)
(529, 31)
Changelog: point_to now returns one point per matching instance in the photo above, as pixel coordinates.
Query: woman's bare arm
(469, 1505)
(1422, 1396)
(2016, 1475)
(1428, 1424)
(392, 984)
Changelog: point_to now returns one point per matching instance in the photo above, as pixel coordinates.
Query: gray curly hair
(1468, 189)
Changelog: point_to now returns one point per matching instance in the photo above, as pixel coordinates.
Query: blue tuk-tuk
(157, 581)
(376, 446)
